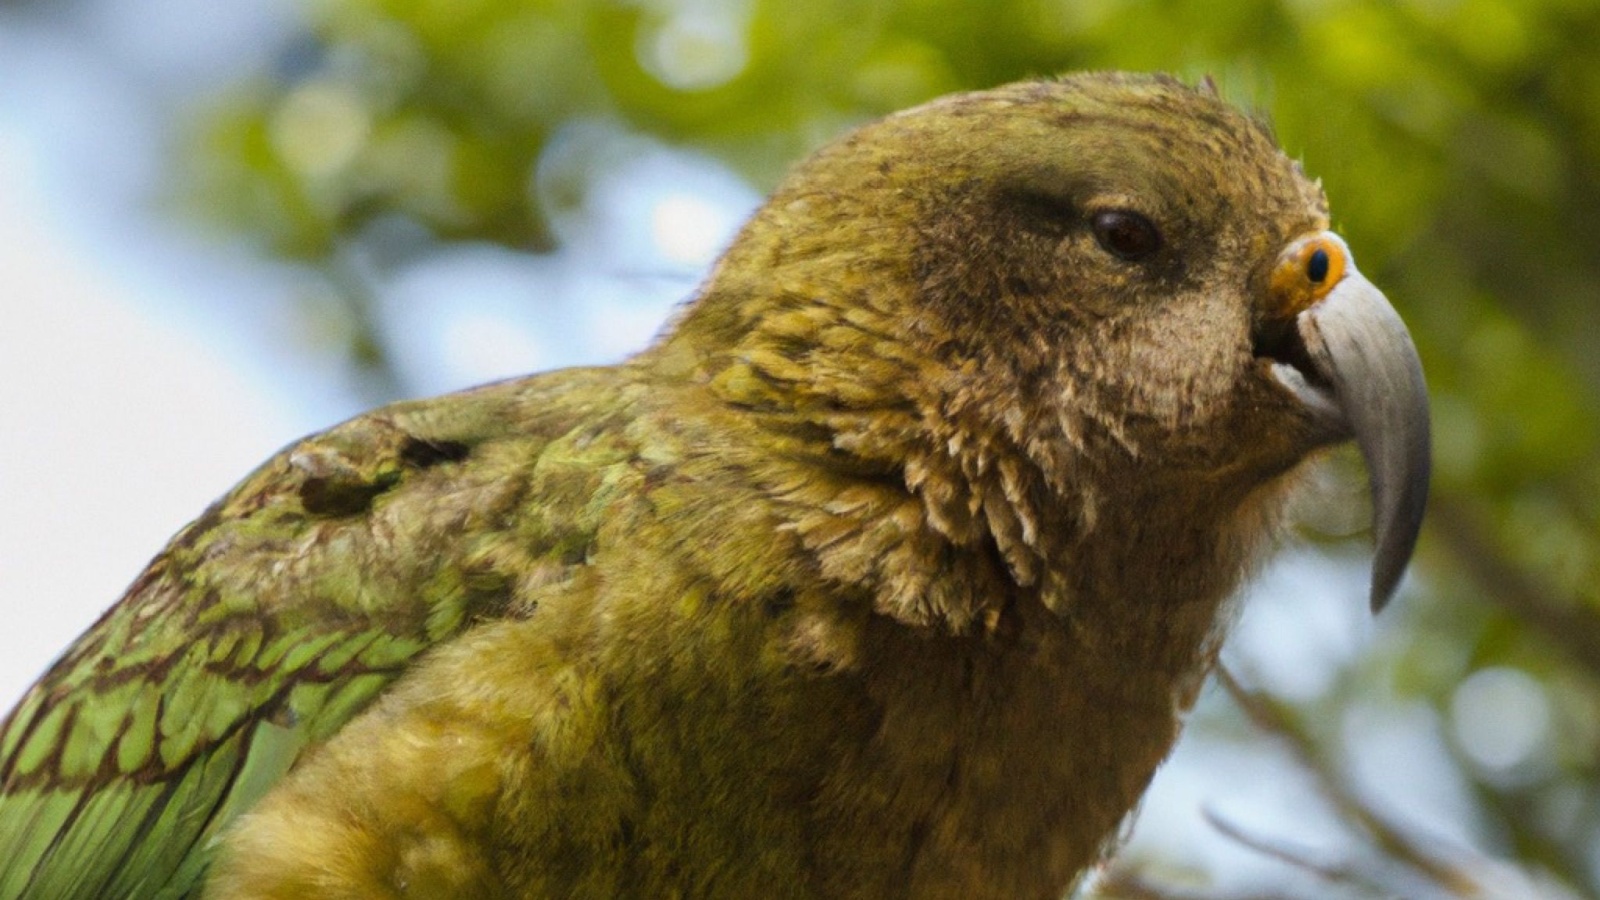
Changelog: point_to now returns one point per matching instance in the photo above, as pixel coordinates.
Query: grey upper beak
(1358, 344)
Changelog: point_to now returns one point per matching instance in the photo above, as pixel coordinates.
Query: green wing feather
(267, 624)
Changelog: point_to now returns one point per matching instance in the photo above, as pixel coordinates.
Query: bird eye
(1317, 266)
(1126, 234)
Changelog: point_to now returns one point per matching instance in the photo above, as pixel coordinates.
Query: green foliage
(1458, 139)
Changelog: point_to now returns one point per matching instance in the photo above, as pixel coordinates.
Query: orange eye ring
(1306, 271)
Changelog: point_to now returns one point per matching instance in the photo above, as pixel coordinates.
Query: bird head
(1117, 278)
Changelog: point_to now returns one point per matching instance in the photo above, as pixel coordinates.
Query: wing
(274, 618)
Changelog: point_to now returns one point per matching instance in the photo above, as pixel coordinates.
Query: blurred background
(223, 225)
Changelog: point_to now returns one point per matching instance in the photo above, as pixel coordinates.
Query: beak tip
(1383, 588)
(1360, 345)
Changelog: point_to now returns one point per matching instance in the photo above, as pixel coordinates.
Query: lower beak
(1357, 347)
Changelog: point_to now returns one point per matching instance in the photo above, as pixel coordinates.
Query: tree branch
(1567, 624)
(1271, 717)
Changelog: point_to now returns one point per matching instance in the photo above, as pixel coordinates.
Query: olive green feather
(269, 622)
(888, 571)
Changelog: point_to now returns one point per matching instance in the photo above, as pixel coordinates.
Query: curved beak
(1365, 381)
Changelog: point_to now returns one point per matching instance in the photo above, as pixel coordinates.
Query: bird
(889, 569)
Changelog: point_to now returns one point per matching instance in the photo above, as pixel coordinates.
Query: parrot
(889, 569)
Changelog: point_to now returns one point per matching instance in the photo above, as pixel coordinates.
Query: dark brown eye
(1126, 234)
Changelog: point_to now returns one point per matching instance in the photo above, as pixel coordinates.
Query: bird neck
(946, 513)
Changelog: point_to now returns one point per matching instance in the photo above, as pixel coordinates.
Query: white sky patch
(658, 212)
(480, 346)
(1303, 621)
(1399, 761)
(623, 318)
(117, 431)
(469, 314)
(689, 229)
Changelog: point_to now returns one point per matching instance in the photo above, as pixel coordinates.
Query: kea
(889, 570)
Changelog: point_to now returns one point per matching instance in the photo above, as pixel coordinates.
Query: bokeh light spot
(320, 127)
(1501, 718)
(694, 50)
(688, 229)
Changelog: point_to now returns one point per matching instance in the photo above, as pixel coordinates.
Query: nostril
(1281, 343)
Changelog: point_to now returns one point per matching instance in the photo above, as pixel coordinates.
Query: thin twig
(1568, 624)
(378, 377)
(1338, 874)
(1268, 715)
(1130, 885)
